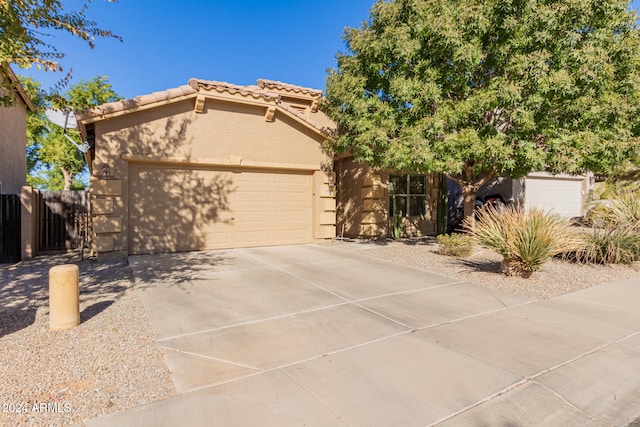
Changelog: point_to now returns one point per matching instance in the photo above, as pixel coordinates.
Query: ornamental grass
(623, 210)
(615, 237)
(526, 240)
(610, 245)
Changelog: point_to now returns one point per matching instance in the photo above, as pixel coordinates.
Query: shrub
(458, 245)
(525, 240)
(615, 238)
(622, 210)
(610, 245)
(396, 226)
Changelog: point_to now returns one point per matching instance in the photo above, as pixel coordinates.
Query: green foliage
(458, 245)
(610, 245)
(89, 93)
(28, 28)
(525, 240)
(473, 88)
(36, 122)
(622, 209)
(53, 161)
(615, 237)
(625, 210)
(52, 179)
(396, 226)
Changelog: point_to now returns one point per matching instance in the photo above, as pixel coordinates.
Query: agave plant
(526, 240)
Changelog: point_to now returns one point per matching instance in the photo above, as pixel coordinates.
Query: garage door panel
(172, 209)
(219, 240)
(292, 197)
(292, 216)
(563, 197)
(256, 217)
(293, 179)
(252, 238)
(291, 235)
(252, 197)
(253, 178)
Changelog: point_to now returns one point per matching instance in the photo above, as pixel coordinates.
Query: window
(407, 194)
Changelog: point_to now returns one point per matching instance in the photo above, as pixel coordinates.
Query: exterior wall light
(331, 178)
(106, 171)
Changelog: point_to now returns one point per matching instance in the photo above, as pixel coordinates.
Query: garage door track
(322, 335)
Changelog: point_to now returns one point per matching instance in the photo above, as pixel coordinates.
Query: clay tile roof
(324, 129)
(276, 85)
(138, 101)
(254, 91)
(267, 90)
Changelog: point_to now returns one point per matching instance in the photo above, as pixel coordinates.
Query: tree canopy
(475, 88)
(27, 28)
(53, 161)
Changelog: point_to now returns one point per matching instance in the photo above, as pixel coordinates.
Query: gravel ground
(110, 362)
(556, 277)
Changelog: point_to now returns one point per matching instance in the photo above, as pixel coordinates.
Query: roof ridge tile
(270, 84)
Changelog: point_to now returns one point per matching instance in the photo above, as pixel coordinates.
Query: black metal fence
(9, 228)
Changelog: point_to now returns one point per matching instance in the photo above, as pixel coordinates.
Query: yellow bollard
(64, 297)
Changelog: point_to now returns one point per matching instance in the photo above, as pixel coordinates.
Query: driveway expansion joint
(566, 401)
(366, 360)
(495, 395)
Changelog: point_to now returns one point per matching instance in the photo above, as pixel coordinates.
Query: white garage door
(561, 196)
(178, 209)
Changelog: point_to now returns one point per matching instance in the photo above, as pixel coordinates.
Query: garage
(183, 209)
(563, 195)
(209, 165)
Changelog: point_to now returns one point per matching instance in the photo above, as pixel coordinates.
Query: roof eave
(19, 89)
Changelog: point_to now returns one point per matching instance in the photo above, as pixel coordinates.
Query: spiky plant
(396, 226)
(626, 209)
(526, 240)
(610, 245)
(623, 210)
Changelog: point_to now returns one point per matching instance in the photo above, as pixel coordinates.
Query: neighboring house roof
(267, 93)
(18, 88)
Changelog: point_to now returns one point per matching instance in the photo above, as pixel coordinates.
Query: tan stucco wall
(225, 136)
(28, 224)
(13, 158)
(363, 203)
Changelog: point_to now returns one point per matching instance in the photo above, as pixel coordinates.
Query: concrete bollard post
(64, 297)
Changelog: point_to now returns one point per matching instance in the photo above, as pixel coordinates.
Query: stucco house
(209, 165)
(367, 200)
(17, 226)
(13, 137)
(213, 165)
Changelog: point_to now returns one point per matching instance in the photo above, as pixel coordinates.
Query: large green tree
(54, 162)
(28, 27)
(476, 88)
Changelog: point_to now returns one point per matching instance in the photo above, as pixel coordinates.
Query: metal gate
(9, 228)
(62, 219)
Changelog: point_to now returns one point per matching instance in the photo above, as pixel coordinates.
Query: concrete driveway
(319, 335)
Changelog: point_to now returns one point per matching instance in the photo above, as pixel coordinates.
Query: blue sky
(168, 42)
